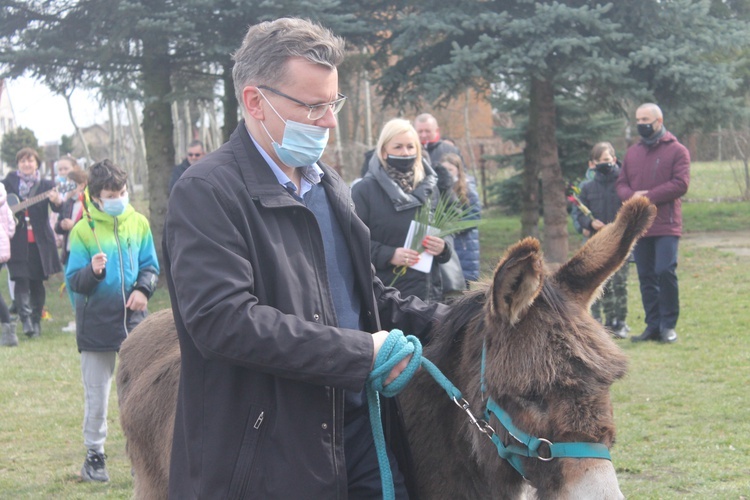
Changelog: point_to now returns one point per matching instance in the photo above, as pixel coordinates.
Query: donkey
(547, 363)
(524, 341)
(147, 382)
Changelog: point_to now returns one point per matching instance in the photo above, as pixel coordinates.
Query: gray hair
(262, 57)
(425, 117)
(653, 108)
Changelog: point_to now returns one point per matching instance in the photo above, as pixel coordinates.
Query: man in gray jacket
(278, 313)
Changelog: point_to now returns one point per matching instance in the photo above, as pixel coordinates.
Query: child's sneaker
(71, 328)
(94, 468)
(620, 329)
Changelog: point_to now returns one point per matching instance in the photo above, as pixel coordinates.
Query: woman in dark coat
(33, 255)
(397, 184)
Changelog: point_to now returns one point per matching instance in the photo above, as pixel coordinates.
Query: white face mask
(301, 145)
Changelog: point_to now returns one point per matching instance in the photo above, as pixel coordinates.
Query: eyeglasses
(317, 111)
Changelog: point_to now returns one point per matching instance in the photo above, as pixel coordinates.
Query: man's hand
(378, 339)
(137, 301)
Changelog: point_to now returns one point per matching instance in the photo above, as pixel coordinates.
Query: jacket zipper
(333, 438)
(122, 279)
(130, 255)
(259, 421)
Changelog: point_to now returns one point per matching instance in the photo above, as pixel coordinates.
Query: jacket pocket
(243, 469)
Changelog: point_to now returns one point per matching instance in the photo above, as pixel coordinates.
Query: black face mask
(604, 168)
(401, 163)
(646, 130)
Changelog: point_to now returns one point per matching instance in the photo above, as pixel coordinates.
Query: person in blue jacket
(465, 243)
(112, 272)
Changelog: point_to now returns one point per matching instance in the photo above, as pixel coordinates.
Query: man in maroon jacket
(657, 167)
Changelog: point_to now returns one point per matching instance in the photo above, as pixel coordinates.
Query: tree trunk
(157, 130)
(78, 130)
(112, 149)
(188, 124)
(216, 137)
(230, 102)
(467, 136)
(555, 242)
(177, 137)
(530, 191)
(140, 153)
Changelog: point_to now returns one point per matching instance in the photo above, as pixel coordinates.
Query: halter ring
(549, 444)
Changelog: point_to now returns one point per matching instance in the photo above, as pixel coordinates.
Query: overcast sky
(38, 109)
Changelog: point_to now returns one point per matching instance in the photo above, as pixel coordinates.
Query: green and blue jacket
(102, 320)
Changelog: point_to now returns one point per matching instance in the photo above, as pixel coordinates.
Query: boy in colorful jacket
(112, 271)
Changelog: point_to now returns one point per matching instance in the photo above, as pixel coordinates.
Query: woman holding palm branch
(398, 183)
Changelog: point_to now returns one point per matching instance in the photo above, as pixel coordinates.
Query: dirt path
(737, 242)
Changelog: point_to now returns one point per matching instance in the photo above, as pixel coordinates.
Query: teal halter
(529, 445)
(398, 346)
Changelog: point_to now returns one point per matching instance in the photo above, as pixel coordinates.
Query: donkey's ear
(606, 251)
(517, 282)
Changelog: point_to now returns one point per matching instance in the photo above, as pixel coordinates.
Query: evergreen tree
(66, 144)
(14, 141)
(613, 55)
(578, 128)
(150, 50)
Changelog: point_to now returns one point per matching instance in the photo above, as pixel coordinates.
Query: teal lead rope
(396, 347)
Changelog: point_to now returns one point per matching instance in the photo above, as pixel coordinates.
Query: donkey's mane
(451, 330)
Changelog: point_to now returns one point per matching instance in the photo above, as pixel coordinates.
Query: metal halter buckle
(481, 424)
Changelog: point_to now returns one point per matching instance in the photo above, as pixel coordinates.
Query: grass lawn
(683, 411)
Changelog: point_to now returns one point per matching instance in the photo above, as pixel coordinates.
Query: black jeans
(37, 296)
(656, 260)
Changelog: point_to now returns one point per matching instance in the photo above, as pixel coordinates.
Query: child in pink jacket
(7, 230)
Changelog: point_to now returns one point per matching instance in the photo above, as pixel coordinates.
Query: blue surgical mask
(61, 179)
(115, 206)
(301, 145)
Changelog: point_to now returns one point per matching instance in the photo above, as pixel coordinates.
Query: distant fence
(719, 145)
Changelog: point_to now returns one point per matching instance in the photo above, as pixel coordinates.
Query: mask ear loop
(277, 114)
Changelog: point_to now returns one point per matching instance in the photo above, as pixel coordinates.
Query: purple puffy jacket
(663, 171)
